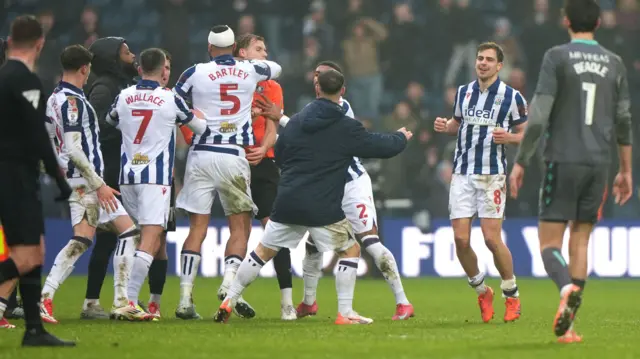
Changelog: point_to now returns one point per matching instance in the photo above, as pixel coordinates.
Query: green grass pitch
(447, 325)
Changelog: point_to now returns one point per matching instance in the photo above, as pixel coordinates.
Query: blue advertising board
(612, 249)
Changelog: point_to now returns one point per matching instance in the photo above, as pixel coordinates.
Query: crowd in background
(403, 60)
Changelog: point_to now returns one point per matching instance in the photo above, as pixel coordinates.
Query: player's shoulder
(614, 57)
(16, 75)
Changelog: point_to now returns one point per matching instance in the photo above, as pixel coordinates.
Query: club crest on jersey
(498, 101)
(140, 159)
(227, 127)
(259, 89)
(72, 111)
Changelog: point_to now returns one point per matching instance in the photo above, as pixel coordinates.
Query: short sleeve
(265, 69)
(457, 104)
(518, 112)
(184, 85)
(71, 112)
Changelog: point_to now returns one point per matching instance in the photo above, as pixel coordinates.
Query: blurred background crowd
(403, 59)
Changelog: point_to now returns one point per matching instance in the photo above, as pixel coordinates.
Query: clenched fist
(440, 125)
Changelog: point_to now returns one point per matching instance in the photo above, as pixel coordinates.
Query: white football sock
(90, 303)
(3, 308)
(387, 265)
(508, 287)
(231, 265)
(155, 298)
(122, 265)
(63, 265)
(477, 283)
(246, 274)
(346, 284)
(311, 273)
(141, 263)
(286, 296)
(190, 263)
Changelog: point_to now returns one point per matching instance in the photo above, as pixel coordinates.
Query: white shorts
(210, 172)
(83, 204)
(147, 204)
(336, 237)
(483, 195)
(358, 204)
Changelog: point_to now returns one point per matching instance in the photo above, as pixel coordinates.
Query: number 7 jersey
(223, 91)
(147, 114)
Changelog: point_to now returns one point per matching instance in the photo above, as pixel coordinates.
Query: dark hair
(74, 57)
(243, 42)
(25, 31)
(331, 82)
(492, 46)
(331, 64)
(167, 55)
(583, 15)
(152, 60)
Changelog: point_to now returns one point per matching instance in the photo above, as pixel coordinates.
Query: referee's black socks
(282, 265)
(8, 270)
(157, 276)
(30, 287)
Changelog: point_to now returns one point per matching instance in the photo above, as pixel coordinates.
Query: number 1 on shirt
(146, 117)
(591, 102)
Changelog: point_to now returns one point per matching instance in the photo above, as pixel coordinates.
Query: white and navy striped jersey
(479, 113)
(223, 91)
(356, 169)
(147, 114)
(69, 111)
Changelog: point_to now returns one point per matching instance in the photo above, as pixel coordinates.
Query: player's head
(154, 64)
(250, 47)
(26, 35)
(489, 59)
(325, 66)
(167, 74)
(76, 62)
(221, 41)
(330, 83)
(581, 16)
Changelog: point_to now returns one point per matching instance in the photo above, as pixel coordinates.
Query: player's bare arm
(269, 109)
(446, 126)
(513, 137)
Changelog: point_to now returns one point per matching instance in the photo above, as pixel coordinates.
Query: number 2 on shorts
(363, 210)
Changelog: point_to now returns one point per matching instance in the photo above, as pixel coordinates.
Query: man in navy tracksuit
(313, 153)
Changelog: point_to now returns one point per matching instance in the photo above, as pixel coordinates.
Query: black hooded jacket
(313, 152)
(108, 77)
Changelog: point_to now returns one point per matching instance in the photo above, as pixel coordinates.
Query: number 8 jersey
(147, 115)
(223, 91)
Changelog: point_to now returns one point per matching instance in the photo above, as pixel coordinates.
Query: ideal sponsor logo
(479, 117)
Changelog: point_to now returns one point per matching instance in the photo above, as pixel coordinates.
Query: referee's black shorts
(264, 186)
(20, 204)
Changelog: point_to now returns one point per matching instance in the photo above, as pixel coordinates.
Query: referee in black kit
(24, 142)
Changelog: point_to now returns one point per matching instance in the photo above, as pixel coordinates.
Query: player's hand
(256, 112)
(268, 108)
(501, 136)
(407, 134)
(255, 154)
(622, 188)
(440, 124)
(515, 180)
(107, 198)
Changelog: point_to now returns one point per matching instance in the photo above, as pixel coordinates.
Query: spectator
(417, 100)
(540, 33)
(246, 25)
(48, 66)
(399, 54)
(363, 67)
(270, 21)
(315, 25)
(87, 32)
(518, 80)
(174, 15)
